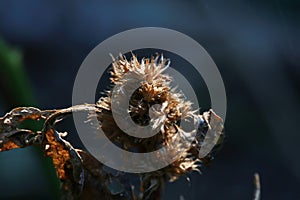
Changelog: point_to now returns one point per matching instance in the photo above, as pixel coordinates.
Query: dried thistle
(155, 89)
(84, 177)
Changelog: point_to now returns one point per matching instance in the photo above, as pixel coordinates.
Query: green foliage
(16, 91)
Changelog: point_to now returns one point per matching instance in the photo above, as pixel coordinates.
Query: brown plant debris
(81, 175)
(9, 145)
(59, 154)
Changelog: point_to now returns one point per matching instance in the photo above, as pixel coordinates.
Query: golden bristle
(154, 89)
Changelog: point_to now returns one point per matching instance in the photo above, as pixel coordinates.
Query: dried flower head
(154, 103)
(155, 88)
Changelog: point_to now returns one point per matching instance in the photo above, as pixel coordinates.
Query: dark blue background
(255, 45)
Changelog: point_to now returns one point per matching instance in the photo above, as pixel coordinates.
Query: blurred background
(255, 45)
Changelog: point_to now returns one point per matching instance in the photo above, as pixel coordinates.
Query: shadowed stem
(257, 186)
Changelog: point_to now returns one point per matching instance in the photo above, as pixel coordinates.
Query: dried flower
(155, 89)
(154, 103)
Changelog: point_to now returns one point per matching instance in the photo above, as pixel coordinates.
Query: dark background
(254, 44)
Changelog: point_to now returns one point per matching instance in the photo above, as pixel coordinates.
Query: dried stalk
(257, 186)
(81, 175)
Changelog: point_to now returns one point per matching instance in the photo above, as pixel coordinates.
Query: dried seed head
(154, 89)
